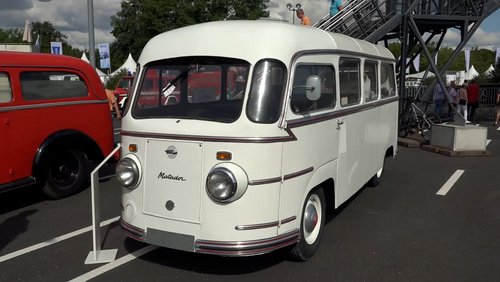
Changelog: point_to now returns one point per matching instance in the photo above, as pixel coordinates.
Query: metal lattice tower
(415, 23)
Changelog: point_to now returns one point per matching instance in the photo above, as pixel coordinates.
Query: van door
(356, 143)
(5, 101)
(316, 146)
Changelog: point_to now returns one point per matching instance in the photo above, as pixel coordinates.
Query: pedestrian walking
(453, 100)
(438, 98)
(335, 7)
(472, 99)
(462, 101)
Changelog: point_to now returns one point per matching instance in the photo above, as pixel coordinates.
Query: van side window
(349, 82)
(370, 81)
(5, 90)
(388, 83)
(42, 85)
(299, 102)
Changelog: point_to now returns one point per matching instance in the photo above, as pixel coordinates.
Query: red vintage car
(54, 121)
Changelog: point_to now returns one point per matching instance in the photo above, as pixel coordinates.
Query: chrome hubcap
(311, 219)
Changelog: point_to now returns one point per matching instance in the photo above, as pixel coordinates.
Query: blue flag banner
(104, 56)
(56, 48)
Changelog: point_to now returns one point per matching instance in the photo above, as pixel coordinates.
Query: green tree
(47, 34)
(395, 48)
(481, 59)
(140, 20)
(12, 35)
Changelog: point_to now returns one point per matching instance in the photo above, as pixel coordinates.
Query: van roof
(251, 41)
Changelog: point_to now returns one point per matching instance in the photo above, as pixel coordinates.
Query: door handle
(339, 123)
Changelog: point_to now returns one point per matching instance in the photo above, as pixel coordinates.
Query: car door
(5, 102)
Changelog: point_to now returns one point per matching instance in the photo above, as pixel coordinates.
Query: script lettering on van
(164, 175)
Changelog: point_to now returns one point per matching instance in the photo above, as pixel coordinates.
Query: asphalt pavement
(399, 231)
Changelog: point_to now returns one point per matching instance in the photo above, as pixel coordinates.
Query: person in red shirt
(472, 99)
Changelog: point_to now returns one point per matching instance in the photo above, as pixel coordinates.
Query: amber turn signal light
(224, 156)
(132, 148)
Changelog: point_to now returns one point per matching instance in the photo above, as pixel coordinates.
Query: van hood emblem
(171, 152)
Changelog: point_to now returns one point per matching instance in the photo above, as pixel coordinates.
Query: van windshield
(207, 88)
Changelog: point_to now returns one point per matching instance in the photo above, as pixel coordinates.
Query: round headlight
(221, 184)
(127, 172)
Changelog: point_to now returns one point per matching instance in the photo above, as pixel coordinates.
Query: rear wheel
(67, 173)
(375, 180)
(311, 226)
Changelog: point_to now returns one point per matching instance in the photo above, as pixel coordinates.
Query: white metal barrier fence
(97, 255)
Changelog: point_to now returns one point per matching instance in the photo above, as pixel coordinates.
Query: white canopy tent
(130, 65)
(489, 70)
(27, 32)
(101, 74)
(84, 57)
(471, 73)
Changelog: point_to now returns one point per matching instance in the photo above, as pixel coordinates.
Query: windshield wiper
(173, 81)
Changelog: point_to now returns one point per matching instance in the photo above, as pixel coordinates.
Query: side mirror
(313, 87)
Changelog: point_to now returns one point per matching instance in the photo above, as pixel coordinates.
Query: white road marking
(107, 267)
(488, 142)
(449, 184)
(498, 128)
(53, 241)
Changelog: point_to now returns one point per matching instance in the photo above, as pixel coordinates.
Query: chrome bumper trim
(264, 225)
(247, 248)
(132, 231)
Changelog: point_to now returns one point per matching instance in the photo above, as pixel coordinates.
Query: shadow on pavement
(209, 264)
(20, 198)
(14, 226)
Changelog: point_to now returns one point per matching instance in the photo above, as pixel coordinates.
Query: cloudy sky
(70, 17)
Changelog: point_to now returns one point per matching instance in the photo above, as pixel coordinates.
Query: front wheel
(67, 173)
(311, 226)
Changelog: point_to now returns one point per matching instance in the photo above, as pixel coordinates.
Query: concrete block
(459, 138)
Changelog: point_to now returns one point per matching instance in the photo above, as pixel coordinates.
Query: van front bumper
(221, 248)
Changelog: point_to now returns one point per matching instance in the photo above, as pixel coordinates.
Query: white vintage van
(240, 133)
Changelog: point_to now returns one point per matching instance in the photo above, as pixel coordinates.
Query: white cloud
(481, 39)
(70, 17)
